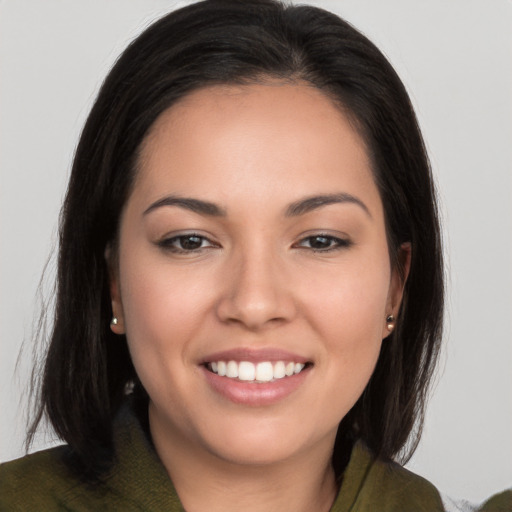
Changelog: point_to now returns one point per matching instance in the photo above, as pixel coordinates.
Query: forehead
(238, 140)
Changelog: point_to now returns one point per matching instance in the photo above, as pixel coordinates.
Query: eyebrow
(295, 209)
(309, 204)
(189, 203)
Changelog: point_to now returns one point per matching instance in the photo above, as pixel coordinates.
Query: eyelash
(168, 243)
(334, 242)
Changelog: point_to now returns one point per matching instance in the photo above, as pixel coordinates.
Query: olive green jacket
(139, 482)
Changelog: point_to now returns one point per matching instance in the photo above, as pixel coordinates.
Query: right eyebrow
(188, 203)
(311, 203)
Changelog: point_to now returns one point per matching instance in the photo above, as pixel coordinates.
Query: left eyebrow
(188, 203)
(311, 203)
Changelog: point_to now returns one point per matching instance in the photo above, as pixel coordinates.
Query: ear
(399, 275)
(117, 323)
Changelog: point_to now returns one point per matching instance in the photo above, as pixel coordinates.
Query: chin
(262, 453)
(264, 443)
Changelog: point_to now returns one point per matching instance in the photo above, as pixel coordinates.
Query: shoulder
(136, 480)
(42, 481)
(501, 502)
(372, 484)
(403, 487)
(38, 477)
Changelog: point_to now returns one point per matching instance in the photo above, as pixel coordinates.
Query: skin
(255, 282)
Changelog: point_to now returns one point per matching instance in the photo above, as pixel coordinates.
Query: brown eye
(189, 242)
(186, 243)
(320, 242)
(323, 243)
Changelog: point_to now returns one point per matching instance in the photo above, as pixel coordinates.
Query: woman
(250, 277)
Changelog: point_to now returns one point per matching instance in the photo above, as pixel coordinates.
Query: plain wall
(455, 59)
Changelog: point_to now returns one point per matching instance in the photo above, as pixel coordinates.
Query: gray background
(455, 58)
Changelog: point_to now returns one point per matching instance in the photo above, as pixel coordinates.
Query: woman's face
(253, 243)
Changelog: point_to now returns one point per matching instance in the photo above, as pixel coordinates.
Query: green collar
(368, 484)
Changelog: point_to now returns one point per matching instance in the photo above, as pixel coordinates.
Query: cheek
(350, 303)
(161, 320)
(162, 312)
(349, 316)
(157, 297)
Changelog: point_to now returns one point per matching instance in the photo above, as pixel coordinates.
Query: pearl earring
(390, 319)
(114, 321)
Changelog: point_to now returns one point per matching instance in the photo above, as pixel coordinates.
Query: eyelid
(167, 241)
(341, 241)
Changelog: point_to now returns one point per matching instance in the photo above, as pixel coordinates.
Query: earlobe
(116, 325)
(117, 322)
(399, 276)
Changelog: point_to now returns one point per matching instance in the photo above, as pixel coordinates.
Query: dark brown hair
(237, 42)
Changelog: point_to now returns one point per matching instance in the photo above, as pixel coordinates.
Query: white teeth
(221, 368)
(246, 370)
(279, 371)
(232, 370)
(264, 372)
(261, 372)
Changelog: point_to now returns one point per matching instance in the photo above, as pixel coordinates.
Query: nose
(256, 292)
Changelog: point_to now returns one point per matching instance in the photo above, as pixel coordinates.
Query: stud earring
(390, 319)
(114, 321)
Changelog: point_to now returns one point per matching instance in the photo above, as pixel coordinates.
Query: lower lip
(253, 393)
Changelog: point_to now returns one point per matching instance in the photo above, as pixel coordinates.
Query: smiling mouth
(263, 372)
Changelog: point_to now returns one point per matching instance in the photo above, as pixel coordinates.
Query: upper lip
(255, 355)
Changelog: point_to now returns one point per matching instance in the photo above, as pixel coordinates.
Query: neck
(206, 482)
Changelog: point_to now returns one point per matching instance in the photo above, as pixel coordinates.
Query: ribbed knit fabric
(139, 482)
